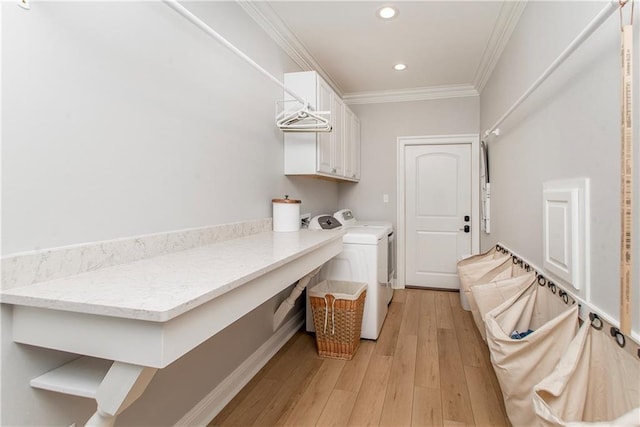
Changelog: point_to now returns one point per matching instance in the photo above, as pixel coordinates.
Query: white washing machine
(348, 219)
(364, 258)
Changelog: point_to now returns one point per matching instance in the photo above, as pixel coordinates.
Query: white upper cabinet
(322, 154)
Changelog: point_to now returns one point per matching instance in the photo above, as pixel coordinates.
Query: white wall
(381, 125)
(569, 128)
(121, 119)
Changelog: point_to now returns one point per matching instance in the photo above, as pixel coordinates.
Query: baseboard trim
(207, 409)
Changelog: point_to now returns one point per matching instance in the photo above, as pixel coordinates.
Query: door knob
(466, 229)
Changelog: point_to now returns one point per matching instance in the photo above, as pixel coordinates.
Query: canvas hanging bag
(490, 254)
(472, 269)
(520, 364)
(487, 296)
(506, 270)
(596, 383)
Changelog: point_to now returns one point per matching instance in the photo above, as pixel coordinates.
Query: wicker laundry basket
(337, 317)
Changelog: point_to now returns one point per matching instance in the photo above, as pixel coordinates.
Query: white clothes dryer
(347, 219)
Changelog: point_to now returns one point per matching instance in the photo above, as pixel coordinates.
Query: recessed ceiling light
(400, 67)
(387, 12)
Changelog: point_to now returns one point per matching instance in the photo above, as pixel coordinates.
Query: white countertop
(160, 288)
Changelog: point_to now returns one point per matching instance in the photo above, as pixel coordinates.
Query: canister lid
(286, 200)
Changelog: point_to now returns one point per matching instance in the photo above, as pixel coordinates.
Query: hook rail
(597, 322)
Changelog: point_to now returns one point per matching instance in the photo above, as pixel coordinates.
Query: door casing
(403, 141)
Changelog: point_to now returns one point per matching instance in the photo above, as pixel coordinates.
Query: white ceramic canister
(286, 214)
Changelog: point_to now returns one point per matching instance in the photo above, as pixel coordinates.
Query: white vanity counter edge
(161, 288)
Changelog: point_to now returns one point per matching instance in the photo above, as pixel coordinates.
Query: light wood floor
(428, 367)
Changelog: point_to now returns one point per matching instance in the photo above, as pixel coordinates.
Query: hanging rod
(173, 4)
(611, 7)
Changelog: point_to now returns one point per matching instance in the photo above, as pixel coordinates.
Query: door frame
(403, 141)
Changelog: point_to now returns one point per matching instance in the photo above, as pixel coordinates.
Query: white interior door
(437, 209)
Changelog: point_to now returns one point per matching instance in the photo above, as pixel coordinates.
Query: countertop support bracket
(123, 385)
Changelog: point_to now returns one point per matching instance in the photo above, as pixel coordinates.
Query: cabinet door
(337, 137)
(355, 148)
(325, 101)
(348, 142)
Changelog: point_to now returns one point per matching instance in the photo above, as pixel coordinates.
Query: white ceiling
(450, 47)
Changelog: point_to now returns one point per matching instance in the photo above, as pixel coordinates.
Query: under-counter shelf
(80, 377)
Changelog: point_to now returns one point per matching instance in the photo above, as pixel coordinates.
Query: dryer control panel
(345, 216)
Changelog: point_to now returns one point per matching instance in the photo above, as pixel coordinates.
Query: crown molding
(508, 18)
(267, 18)
(414, 94)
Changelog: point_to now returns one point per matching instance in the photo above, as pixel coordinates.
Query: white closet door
(437, 198)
